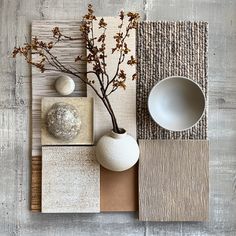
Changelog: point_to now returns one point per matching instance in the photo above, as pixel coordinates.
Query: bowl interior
(176, 103)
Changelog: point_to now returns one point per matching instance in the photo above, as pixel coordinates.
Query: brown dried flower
(132, 61)
(102, 23)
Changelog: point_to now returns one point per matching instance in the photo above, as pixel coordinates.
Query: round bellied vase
(117, 152)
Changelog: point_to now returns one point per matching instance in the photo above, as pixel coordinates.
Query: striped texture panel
(43, 83)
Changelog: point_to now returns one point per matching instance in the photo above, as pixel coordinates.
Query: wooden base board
(173, 180)
(119, 190)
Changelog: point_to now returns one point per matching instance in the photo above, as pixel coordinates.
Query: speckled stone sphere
(64, 85)
(63, 121)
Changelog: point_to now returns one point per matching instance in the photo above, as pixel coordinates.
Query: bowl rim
(181, 77)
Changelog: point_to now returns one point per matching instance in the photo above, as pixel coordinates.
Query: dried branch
(96, 55)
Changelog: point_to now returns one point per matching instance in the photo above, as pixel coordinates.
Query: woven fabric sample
(167, 49)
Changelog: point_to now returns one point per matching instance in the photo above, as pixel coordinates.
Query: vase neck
(118, 136)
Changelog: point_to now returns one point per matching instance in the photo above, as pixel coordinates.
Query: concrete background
(15, 217)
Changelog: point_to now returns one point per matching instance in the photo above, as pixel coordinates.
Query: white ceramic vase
(117, 152)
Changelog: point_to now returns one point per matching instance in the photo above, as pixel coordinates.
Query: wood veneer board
(36, 176)
(124, 105)
(173, 180)
(70, 180)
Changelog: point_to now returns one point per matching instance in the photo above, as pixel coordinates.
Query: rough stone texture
(63, 121)
(167, 49)
(15, 154)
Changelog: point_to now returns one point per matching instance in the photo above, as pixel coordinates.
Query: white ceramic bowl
(176, 103)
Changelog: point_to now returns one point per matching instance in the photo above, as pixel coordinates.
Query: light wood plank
(173, 180)
(122, 101)
(70, 180)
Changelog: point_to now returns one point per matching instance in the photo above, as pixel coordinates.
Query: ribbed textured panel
(166, 49)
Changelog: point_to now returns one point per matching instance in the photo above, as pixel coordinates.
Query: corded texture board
(170, 49)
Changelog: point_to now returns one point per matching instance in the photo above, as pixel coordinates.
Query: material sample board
(70, 180)
(36, 183)
(43, 86)
(173, 180)
(119, 190)
(123, 101)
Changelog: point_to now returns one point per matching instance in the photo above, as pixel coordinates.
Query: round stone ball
(63, 121)
(64, 85)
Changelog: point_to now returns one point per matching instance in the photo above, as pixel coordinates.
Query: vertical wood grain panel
(123, 101)
(36, 182)
(173, 180)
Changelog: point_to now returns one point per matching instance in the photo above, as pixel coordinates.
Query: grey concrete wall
(15, 217)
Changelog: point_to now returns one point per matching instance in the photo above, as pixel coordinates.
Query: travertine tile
(70, 180)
